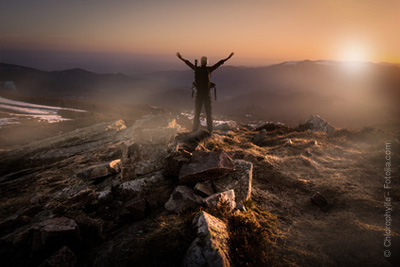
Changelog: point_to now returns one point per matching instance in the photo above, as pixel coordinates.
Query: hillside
(107, 195)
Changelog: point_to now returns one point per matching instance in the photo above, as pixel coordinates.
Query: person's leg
(207, 105)
(197, 111)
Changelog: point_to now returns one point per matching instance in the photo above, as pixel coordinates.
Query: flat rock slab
(210, 248)
(183, 198)
(206, 166)
(240, 180)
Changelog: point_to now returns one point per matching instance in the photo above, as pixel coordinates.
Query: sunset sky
(260, 32)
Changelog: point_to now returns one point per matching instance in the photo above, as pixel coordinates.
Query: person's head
(204, 61)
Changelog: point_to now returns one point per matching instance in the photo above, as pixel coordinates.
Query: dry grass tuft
(253, 236)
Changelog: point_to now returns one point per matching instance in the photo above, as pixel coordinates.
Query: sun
(353, 53)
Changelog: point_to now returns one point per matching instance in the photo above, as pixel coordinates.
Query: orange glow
(258, 31)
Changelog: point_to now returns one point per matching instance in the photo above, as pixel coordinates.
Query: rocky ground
(153, 194)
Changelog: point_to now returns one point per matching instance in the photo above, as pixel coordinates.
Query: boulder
(183, 198)
(227, 197)
(204, 189)
(211, 247)
(63, 257)
(240, 180)
(206, 166)
(317, 124)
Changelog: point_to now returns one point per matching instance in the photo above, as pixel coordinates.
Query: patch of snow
(41, 112)
(6, 121)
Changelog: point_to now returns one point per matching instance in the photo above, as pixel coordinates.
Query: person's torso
(202, 76)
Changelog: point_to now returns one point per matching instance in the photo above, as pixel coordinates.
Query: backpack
(202, 79)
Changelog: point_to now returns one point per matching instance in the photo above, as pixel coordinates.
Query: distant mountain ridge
(67, 83)
(287, 91)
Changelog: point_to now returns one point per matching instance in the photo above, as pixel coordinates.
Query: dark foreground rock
(210, 248)
(64, 257)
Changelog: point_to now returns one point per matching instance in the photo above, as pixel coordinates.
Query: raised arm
(187, 62)
(222, 61)
(230, 55)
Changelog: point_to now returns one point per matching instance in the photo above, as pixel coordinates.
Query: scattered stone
(211, 247)
(320, 201)
(119, 125)
(105, 195)
(313, 143)
(227, 197)
(227, 126)
(240, 180)
(136, 207)
(183, 198)
(64, 257)
(100, 170)
(55, 232)
(259, 138)
(116, 165)
(317, 124)
(206, 166)
(289, 142)
(204, 189)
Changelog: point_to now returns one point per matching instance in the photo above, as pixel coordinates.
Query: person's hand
(231, 55)
(179, 55)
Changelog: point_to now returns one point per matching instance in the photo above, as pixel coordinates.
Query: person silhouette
(202, 77)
